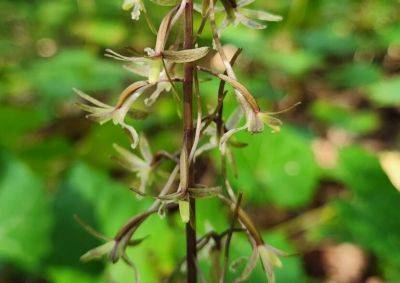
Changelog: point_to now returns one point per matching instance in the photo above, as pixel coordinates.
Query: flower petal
(272, 122)
(249, 22)
(163, 31)
(128, 4)
(129, 160)
(139, 68)
(251, 264)
(145, 149)
(261, 15)
(98, 252)
(101, 117)
(112, 54)
(161, 86)
(90, 99)
(144, 178)
(243, 3)
(229, 134)
(186, 55)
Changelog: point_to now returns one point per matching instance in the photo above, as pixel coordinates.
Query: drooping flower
(98, 252)
(255, 121)
(141, 166)
(157, 66)
(211, 132)
(152, 64)
(102, 113)
(255, 118)
(269, 257)
(142, 68)
(238, 14)
(136, 6)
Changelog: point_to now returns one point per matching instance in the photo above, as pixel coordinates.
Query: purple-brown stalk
(191, 251)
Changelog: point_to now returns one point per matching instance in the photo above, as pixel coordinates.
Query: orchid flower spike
(141, 166)
(102, 113)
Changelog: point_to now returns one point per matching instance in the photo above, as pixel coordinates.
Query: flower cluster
(159, 66)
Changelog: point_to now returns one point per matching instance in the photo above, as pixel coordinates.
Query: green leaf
(213, 213)
(360, 122)
(386, 92)
(18, 121)
(97, 148)
(354, 75)
(105, 195)
(55, 77)
(327, 41)
(100, 32)
(294, 63)
(68, 275)
(278, 167)
(25, 217)
(99, 201)
(369, 216)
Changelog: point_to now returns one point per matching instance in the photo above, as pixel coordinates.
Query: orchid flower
(236, 13)
(211, 131)
(136, 6)
(255, 118)
(240, 15)
(152, 63)
(269, 257)
(212, 143)
(141, 166)
(102, 113)
(255, 121)
(142, 68)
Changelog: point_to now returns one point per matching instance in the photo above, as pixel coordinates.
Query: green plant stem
(191, 251)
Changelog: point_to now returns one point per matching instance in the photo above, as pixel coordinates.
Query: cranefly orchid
(141, 166)
(102, 113)
(236, 13)
(161, 68)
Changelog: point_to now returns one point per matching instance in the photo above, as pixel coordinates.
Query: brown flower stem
(229, 238)
(191, 251)
(245, 220)
(217, 114)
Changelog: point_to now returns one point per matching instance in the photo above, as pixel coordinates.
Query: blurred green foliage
(340, 58)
